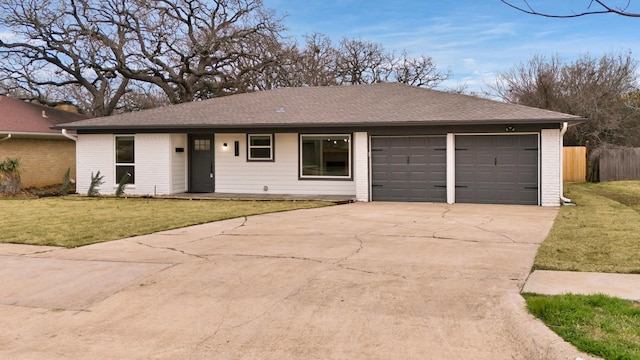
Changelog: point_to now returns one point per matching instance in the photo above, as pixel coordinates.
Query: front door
(201, 163)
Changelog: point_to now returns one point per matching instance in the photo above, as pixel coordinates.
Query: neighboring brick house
(45, 154)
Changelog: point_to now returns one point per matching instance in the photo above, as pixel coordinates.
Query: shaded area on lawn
(597, 324)
(76, 221)
(599, 234)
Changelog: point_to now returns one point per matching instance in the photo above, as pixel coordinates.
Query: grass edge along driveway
(73, 221)
(599, 234)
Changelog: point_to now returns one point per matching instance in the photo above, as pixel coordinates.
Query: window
(125, 160)
(260, 147)
(201, 144)
(325, 156)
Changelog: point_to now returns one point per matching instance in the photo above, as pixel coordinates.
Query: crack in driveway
(173, 249)
(478, 226)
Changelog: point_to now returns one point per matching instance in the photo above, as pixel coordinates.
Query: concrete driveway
(357, 281)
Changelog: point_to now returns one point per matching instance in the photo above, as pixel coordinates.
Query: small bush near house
(123, 182)
(66, 183)
(10, 176)
(96, 181)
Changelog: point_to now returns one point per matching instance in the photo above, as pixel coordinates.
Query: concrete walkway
(355, 281)
(624, 286)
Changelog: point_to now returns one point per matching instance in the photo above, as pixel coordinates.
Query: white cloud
(7, 36)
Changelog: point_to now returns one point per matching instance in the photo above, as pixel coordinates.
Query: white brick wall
(95, 153)
(550, 148)
(152, 153)
(361, 165)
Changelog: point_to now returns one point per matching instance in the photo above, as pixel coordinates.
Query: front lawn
(601, 233)
(596, 324)
(76, 221)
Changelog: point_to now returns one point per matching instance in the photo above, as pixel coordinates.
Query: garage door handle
(374, 185)
(440, 186)
(531, 188)
(461, 186)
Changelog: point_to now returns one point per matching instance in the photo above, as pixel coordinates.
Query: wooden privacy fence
(574, 166)
(619, 164)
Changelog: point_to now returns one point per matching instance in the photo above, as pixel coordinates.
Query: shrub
(10, 175)
(96, 181)
(66, 183)
(123, 182)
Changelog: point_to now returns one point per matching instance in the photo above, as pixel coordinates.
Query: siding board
(178, 163)
(234, 174)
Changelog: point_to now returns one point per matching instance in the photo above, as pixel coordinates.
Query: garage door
(408, 169)
(497, 169)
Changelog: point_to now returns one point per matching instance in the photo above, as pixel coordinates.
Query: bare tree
(592, 7)
(590, 87)
(319, 61)
(125, 55)
(361, 62)
(420, 71)
(48, 51)
(189, 49)
(186, 47)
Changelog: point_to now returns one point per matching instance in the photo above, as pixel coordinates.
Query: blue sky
(474, 38)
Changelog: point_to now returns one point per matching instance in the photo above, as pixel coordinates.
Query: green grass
(601, 233)
(76, 221)
(597, 324)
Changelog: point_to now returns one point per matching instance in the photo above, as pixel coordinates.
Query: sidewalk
(625, 286)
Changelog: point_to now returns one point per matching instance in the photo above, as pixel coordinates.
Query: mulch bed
(37, 192)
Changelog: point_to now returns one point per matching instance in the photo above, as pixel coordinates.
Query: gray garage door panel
(497, 169)
(408, 169)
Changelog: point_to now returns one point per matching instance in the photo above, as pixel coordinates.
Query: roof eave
(39, 135)
(70, 126)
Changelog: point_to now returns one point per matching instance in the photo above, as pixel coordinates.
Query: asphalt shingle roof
(358, 105)
(18, 116)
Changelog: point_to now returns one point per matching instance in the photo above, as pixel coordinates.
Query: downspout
(69, 136)
(6, 138)
(565, 200)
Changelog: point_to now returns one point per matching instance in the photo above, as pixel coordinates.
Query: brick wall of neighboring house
(43, 161)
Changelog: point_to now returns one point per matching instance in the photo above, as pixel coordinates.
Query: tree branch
(606, 9)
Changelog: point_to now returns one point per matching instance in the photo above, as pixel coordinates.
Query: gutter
(72, 137)
(565, 200)
(6, 138)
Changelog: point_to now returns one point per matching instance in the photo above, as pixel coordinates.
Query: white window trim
(270, 147)
(326, 177)
(115, 144)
